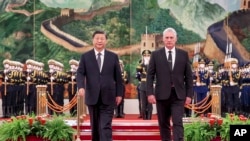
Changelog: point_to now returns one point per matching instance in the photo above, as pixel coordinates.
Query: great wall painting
(54, 29)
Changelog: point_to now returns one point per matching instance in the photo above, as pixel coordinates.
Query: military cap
(6, 61)
(73, 62)
(202, 61)
(60, 65)
(210, 63)
(232, 60)
(146, 52)
(52, 62)
(247, 64)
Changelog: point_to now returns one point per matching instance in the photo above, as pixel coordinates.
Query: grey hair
(170, 29)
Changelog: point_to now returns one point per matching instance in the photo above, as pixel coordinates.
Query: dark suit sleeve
(151, 74)
(188, 78)
(80, 77)
(118, 78)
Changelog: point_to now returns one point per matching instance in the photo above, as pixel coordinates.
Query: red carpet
(128, 128)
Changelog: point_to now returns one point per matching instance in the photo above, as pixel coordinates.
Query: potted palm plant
(39, 128)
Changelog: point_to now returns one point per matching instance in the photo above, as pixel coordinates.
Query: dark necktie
(170, 59)
(99, 61)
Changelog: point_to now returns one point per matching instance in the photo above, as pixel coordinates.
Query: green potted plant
(13, 129)
(212, 128)
(198, 131)
(231, 119)
(58, 130)
(25, 128)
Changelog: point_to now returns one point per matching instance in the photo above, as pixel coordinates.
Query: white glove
(208, 93)
(211, 78)
(232, 83)
(198, 83)
(239, 94)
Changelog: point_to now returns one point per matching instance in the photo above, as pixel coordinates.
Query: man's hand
(188, 100)
(118, 100)
(81, 92)
(151, 99)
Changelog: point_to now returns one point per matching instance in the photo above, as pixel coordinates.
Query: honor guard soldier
(222, 76)
(72, 87)
(202, 82)
(56, 84)
(213, 79)
(30, 87)
(233, 85)
(146, 107)
(138, 77)
(2, 89)
(11, 81)
(34, 76)
(119, 110)
(245, 90)
(7, 89)
(20, 85)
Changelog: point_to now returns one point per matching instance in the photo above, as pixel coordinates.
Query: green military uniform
(146, 107)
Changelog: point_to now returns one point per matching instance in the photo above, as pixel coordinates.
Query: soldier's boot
(149, 115)
(4, 111)
(7, 112)
(121, 111)
(16, 110)
(12, 111)
(144, 115)
(33, 109)
(27, 110)
(237, 111)
(21, 109)
(116, 111)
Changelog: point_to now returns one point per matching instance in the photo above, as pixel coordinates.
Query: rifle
(5, 83)
(72, 85)
(27, 85)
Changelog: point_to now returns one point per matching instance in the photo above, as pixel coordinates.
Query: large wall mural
(61, 29)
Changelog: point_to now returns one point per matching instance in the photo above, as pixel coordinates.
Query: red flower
(202, 115)
(23, 116)
(38, 118)
(212, 121)
(30, 121)
(231, 115)
(209, 115)
(219, 121)
(43, 121)
(244, 119)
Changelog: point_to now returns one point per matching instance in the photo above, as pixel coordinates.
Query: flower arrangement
(43, 127)
(212, 128)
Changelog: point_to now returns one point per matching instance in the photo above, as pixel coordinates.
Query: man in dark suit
(174, 85)
(99, 79)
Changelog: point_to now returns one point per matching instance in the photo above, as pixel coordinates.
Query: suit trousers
(101, 121)
(167, 110)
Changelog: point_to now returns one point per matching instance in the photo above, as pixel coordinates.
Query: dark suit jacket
(107, 83)
(181, 75)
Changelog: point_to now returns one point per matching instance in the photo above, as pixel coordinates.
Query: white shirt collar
(173, 50)
(102, 52)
